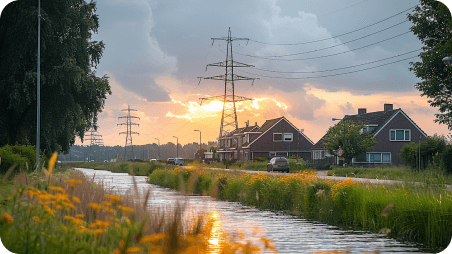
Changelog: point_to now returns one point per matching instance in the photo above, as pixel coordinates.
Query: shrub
(446, 160)
(9, 158)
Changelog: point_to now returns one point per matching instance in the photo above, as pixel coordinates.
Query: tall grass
(143, 169)
(411, 212)
(55, 214)
(434, 176)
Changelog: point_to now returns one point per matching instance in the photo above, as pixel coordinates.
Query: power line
(347, 67)
(343, 52)
(129, 131)
(331, 75)
(335, 36)
(340, 44)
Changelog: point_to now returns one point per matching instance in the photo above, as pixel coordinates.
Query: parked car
(278, 164)
(179, 162)
(153, 160)
(170, 161)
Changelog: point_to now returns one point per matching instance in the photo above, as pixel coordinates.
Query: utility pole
(158, 147)
(38, 90)
(229, 114)
(129, 131)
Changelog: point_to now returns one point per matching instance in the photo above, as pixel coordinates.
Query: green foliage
(353, 142)
(71, 93)
(430, 148)
(11, 155)
(432, 24)
(446, 161)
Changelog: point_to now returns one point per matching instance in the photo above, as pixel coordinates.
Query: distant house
(276, 137)
(392, 129)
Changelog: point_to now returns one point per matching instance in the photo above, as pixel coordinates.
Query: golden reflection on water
(216, 237)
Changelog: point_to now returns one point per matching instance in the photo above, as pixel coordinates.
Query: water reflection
(291, 234)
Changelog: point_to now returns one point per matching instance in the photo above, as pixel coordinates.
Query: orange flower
(134, 249)
(95, 206)
(6, 218)
(76, 199)
(125, 208)
(113, 198)
(54, 188)
(72, 181)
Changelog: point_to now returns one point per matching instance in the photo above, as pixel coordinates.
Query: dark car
(179, 162)
(170, 161)
(278, 164)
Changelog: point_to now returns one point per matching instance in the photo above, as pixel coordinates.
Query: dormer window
(277, 137)
(400, 135)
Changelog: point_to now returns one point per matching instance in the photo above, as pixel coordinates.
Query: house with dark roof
(276, 137)
(392, 129)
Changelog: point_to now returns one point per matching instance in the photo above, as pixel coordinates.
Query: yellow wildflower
(55, 188)
(95, 206)
(125, 208)
(106, 203)
(6, 218)
(98, 231)
(134, 249)
(72, 181)
(113, 198)
(152, 238)
(80, 215)
(76, 199)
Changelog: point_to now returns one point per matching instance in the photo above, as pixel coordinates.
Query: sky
(343, 55)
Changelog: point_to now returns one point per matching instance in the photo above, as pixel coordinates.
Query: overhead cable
(335, 36)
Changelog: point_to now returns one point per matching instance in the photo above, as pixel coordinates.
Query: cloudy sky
(315, 60)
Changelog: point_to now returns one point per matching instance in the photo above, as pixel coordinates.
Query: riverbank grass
(54, 214)
(408, 212)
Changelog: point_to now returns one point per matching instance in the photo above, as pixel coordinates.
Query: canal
(290, 234)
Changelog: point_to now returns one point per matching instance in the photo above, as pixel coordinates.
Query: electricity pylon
(95, 139)
(229, 114)
(129, 131)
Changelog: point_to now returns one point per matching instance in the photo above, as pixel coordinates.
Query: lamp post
(38, 91)
(199, 143)
(158, 147)
(177, 146)
(343, 143)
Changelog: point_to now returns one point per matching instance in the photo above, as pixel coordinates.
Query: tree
(71, 93)
(430, 148)
(432, 24)
(353, 142)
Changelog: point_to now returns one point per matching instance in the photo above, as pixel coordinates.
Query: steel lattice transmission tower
(229, 114)
(94, 138)
(129, 131)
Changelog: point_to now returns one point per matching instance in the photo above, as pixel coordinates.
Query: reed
(67, 213)
(409, 212)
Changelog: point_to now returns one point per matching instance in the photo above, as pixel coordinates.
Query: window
(400, 135)
(277, 137)
(373, 158)
(288, 137)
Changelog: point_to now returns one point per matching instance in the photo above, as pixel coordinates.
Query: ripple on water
(290, 234)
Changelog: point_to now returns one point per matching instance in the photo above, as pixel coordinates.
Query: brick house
(392, 129)
(276, 137)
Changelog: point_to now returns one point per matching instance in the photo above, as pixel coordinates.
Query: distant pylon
(229, 114)
(129, 131)
(95, 139)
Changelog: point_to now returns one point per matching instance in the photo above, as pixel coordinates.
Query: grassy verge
(295, 165)
(430, 177)
(143, 169)
(413, 213)
(67, 213)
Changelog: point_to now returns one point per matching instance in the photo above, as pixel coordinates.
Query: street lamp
(343, 143)
(199, 143)
(177, 146)
(158, 147)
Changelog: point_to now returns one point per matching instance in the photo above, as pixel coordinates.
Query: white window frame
(404, 135)
(381, 156)
(289, 135)
(277, 140)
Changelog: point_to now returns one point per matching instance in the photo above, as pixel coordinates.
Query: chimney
(247, 123)
(255, 124)
(388, 107)
(362, 111)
